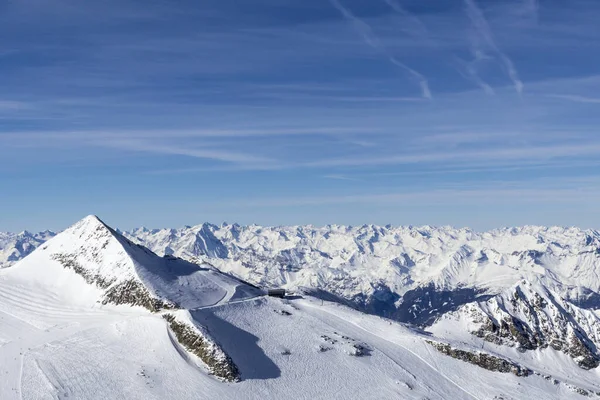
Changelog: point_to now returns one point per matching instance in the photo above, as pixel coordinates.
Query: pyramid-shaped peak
(91, 221)
(93, 246)
(122, 272)
(90, 228)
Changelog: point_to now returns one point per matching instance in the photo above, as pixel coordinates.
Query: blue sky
(164, 113)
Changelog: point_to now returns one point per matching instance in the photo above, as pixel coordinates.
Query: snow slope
(116, 353)
(298, 349)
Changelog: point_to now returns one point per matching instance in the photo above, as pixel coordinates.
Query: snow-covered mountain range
(15, 246)
(521, 302)
(388, 271)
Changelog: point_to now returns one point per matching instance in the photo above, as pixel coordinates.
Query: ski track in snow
(29, 337)
(435, 369)
(36, 311)
(229, 302)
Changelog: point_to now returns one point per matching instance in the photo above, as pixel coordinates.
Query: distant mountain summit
(14, 247)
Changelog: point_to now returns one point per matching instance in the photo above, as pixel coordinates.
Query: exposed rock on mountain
(482, 360)
(198, 342)
(530, 318)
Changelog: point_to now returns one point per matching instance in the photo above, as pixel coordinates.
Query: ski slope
(117, 353)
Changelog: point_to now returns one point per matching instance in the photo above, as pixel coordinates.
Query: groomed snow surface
(57, 339)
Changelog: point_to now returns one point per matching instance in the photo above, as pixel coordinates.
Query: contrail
(469, 71)
(413, 26)
(369, 37)
(417, 28)
(532, 7)
(426, 92)
(481, 25)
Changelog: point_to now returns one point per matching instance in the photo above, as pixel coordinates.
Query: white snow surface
(57, 340)
(120, 353)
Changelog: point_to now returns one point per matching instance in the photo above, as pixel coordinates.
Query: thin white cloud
(478, 195)
(576, 98)
(363, 176)
(488, 156)
(467, 137)
(196, 152)
(99, 135)
(485, 33)
(469, 71)
(479, 169)
(217, 168)
(410, 23)
(10, 105)
(425, 91)
(158, 142)
(474, 159)
(285, 96)
(360, 143)
(459, 149)
(339, 177)
(369, 37)
(532, 8)
(375, 99)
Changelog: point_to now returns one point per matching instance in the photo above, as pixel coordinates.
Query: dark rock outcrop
(529, 320)
(483, 360)
(218, 363)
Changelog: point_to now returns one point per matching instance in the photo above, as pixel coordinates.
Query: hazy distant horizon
(317, 226)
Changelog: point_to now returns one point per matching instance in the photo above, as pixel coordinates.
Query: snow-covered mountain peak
(90, 221)
(94, 250)
(124, 272)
